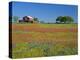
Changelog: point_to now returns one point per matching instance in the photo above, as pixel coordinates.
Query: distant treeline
(59, 20)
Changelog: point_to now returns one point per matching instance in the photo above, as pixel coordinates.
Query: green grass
(23, 50)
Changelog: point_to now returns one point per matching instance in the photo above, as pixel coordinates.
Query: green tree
(36, 19)
(70, 19)
(58, 20)
(15, 19)
(64, 19)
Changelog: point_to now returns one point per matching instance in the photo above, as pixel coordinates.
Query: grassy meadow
(38, 40)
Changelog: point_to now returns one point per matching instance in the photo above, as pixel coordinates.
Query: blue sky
(44, 12)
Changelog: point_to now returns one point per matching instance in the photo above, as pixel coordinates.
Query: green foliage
(36, 19)
(23, 50)
(70, 19)
(15, 19)
(58, 50)
(64, 19)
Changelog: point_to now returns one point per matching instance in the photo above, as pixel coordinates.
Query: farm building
(27, 19)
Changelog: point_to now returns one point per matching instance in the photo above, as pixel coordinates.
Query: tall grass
(37, 50)
(37, 44)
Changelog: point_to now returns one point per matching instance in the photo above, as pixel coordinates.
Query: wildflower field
(39, 40)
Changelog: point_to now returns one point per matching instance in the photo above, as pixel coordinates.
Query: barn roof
(30, 17)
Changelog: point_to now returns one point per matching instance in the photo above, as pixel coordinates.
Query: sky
(44, 12)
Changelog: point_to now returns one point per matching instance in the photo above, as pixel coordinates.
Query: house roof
(30, 17)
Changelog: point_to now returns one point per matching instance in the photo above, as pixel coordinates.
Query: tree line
(59, 19)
